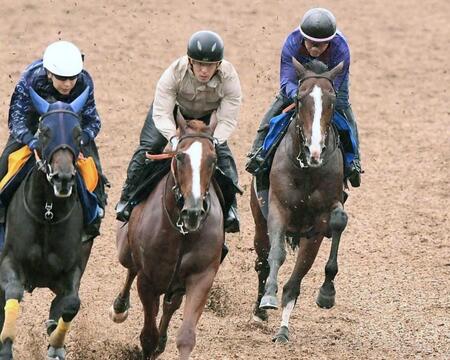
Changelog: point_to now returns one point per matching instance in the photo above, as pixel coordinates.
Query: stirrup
(254, 163)
(123, 211)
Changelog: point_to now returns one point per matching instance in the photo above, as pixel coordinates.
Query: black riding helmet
(318, 25)
(205, 46)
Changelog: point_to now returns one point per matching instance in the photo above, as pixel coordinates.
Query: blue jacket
(337, 51)
(23, 118)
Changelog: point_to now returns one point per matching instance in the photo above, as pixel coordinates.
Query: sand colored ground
(393, 287)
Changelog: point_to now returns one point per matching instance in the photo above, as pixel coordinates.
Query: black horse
(44, 224)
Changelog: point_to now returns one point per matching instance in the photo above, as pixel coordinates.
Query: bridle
(301, 157)
(178, 225)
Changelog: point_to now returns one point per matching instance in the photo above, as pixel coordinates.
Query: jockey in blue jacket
(316, 38)
(59, 76)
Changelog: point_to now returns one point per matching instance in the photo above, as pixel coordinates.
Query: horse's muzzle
(192, 218)
(62, 184)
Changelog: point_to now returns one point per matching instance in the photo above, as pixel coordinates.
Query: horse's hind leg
(197, 289)
(262, 247)
(149, 334)
(306, 255)
(169, 308)
(338, 222)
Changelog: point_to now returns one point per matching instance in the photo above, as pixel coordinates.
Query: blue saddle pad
(346, 133)
(277, 125)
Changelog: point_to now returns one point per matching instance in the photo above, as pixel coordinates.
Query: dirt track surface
(393, 286)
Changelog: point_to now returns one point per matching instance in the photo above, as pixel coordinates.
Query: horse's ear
(213, 122)
(40, 104)
(298, 67)
(181, 122)
(79, 102)
(336, 70)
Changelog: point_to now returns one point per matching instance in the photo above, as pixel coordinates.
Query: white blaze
(195, 154)
(316, 136)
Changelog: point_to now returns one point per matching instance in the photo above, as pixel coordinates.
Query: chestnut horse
(173, 242)
(305, 198)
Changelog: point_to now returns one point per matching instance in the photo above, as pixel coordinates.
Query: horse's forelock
(59, 105)
(196, 126)
(316, 66)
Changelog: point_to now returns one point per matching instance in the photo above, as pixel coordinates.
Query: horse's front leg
(64, 308)
(262, 248)
(12, 291)
(338, 222)
(307, 252)
(197, 290)
(276, 226)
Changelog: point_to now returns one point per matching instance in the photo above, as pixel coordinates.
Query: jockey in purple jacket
(317, 38)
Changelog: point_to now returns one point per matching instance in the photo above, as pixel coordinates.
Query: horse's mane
(316, 66)
(196, 125)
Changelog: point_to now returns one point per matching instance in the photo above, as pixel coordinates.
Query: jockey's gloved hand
(293, 96)
(174, 142)
(33, 144)
(85, 138)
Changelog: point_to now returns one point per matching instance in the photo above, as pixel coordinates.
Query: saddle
(160, 168)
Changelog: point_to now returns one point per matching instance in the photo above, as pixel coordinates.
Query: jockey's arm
(90, 122)
(228, 110)
(164, 103)
(288, 74)
(19, 108)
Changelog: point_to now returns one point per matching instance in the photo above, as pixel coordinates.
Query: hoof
(259, 315)
(269, 302)
(282, 337)
(6, 350)
(56, 353)
(325, 301)
(117, 318)
(161, 345)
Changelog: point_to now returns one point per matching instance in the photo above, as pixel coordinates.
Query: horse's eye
(180, 156)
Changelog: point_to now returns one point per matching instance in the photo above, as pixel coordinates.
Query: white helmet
(63, 58)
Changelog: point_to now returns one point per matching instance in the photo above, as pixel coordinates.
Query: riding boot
(150, 141)
(232, 224)
(135, 175)
(255, 156)
(229, 188)
(355, 170)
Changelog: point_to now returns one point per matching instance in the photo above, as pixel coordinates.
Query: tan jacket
(178, 86)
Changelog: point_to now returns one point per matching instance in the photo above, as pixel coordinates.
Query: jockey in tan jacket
(197, 84)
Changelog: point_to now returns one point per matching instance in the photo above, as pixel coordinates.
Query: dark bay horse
(305, 198)
(173, 242)
(44, 224)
